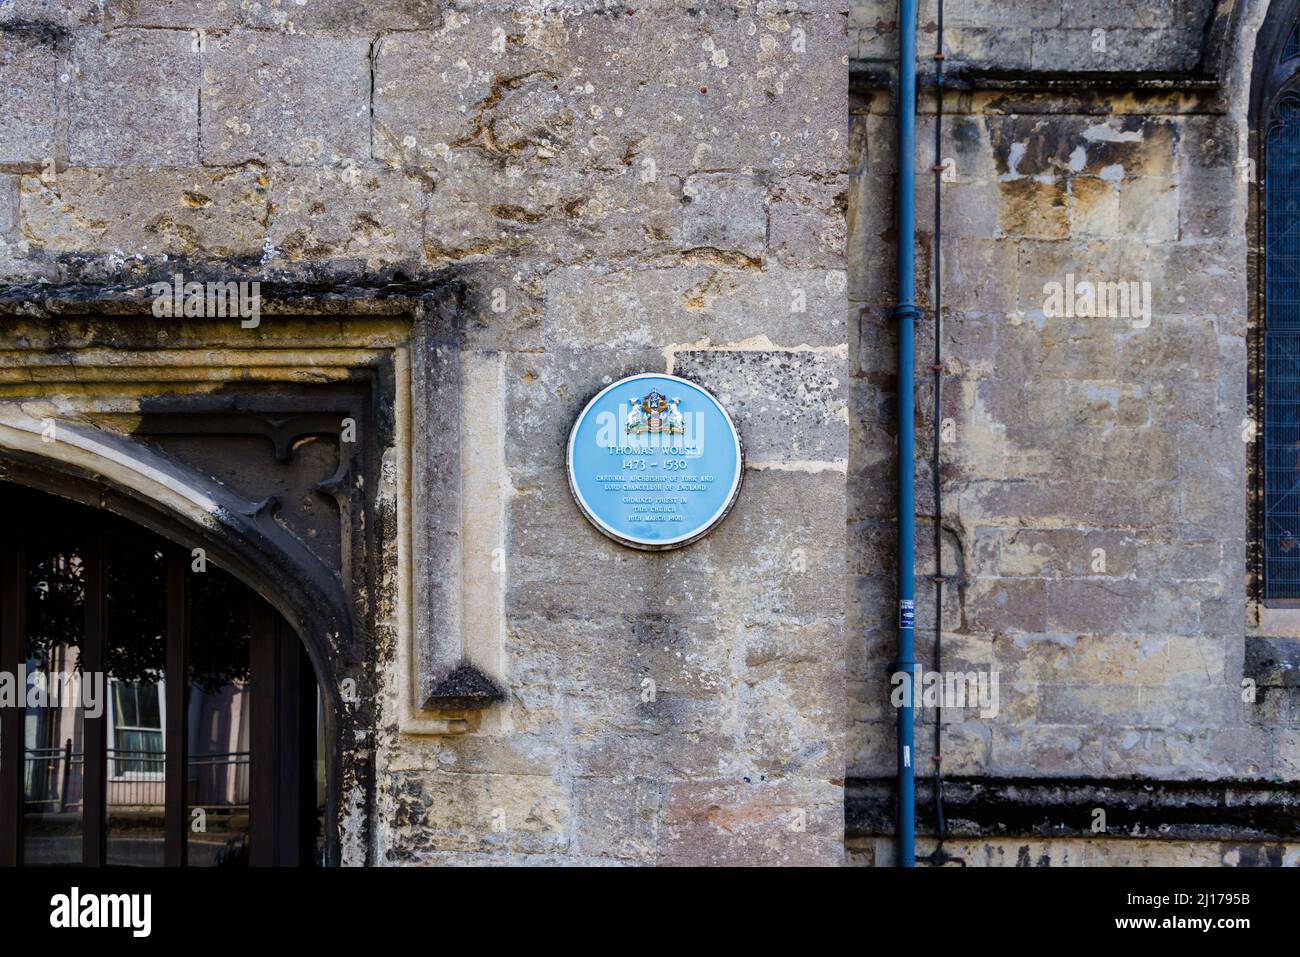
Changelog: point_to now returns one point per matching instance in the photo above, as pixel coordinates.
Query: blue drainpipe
(906, 313)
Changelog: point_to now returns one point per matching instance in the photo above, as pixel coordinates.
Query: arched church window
(1277, 370)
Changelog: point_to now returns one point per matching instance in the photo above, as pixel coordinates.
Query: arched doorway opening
(153, 708)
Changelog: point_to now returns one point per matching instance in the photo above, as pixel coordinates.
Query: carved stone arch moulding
(289, 453)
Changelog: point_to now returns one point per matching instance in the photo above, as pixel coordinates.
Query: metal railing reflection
(49, 781)
(52, 779)
(219, 779)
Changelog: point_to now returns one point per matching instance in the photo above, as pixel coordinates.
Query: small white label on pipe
(907, 756)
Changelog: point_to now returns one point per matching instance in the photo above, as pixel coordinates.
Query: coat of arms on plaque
(654, 413)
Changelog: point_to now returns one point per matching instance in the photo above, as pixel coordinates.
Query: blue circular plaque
(654, 461)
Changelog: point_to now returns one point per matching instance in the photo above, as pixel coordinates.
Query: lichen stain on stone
(435, 250)
(1036, 146)
(525, 93)
(517, 213)
(1034, 208)
(368, 228)
(703, 294)
(297, 247)
(186, 235)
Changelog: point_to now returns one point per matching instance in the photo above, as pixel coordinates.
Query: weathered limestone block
(1007, 605)
(726, 211)
(1055, 553)
(1038, 14)
(149, 212)
(971, 210)
(285, 98)
(1032, 209)
(1211, 142)
(717, 96)
(618, 818)
(513, 813)
(872, 42)
(53, 13)
(698, 303)
(790, 406)
(1117, 455)
(755, 822)
(546, 390)
(1196, 559)
(869, 220)
(333, 16)
(1211, 501)
(1070, 749)
(1208, 208)
(675, 735)
(1084, 500)
(1120, 607)
(1047, 36)
(1177, 710)
(322, 213)
(1189, 14)
(20, 263)
(792, 566)
(1003, 47)
(974, 272)
(613, 655)
(1047, 269)
(134, 99)
(1230, 380)
(782, 734)
(807, 221)
(480, 211)
(33, 62)
(8, 208)
(1200, 279)
(1112, 148)
(1164, 349)
(1116, 49)
(1094, 207)
(1148, 209)
(872, 751)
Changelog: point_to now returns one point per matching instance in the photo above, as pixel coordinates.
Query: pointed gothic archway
(126, 478)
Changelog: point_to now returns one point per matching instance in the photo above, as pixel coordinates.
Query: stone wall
(1094, 469)
(1044, 36)
(615, 188)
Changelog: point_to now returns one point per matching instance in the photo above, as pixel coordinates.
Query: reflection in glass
(142, 609)
(218, 721)
(318, 781)
(53, 725)
(136, 624)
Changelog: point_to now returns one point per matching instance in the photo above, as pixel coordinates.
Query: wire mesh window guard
(1281, 406)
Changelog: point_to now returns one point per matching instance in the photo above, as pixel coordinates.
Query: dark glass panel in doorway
(116, 762)
(136, 630)
(53, 732)
(219, 713)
